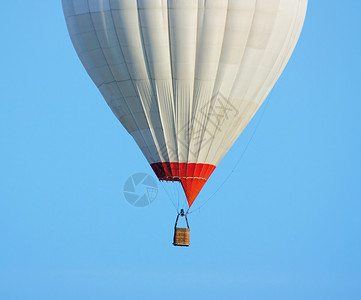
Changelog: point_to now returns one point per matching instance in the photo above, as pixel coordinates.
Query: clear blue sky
(286, 225)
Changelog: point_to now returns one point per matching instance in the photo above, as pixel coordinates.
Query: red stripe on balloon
(193, 176)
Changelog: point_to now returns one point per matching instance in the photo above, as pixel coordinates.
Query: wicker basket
(181, 237)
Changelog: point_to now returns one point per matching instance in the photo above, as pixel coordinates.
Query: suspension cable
(238, 161)
(170, 197)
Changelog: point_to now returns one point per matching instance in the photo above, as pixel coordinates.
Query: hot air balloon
(184, 77)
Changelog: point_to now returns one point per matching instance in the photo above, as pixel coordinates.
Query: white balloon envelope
(184, 77)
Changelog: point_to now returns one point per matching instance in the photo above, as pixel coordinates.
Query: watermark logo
(140, 190)
(203, 128)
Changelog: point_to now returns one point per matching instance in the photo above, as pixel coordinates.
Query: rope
(238, 161)
(169, 197)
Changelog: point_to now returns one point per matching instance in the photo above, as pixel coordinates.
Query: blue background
(285, 225)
